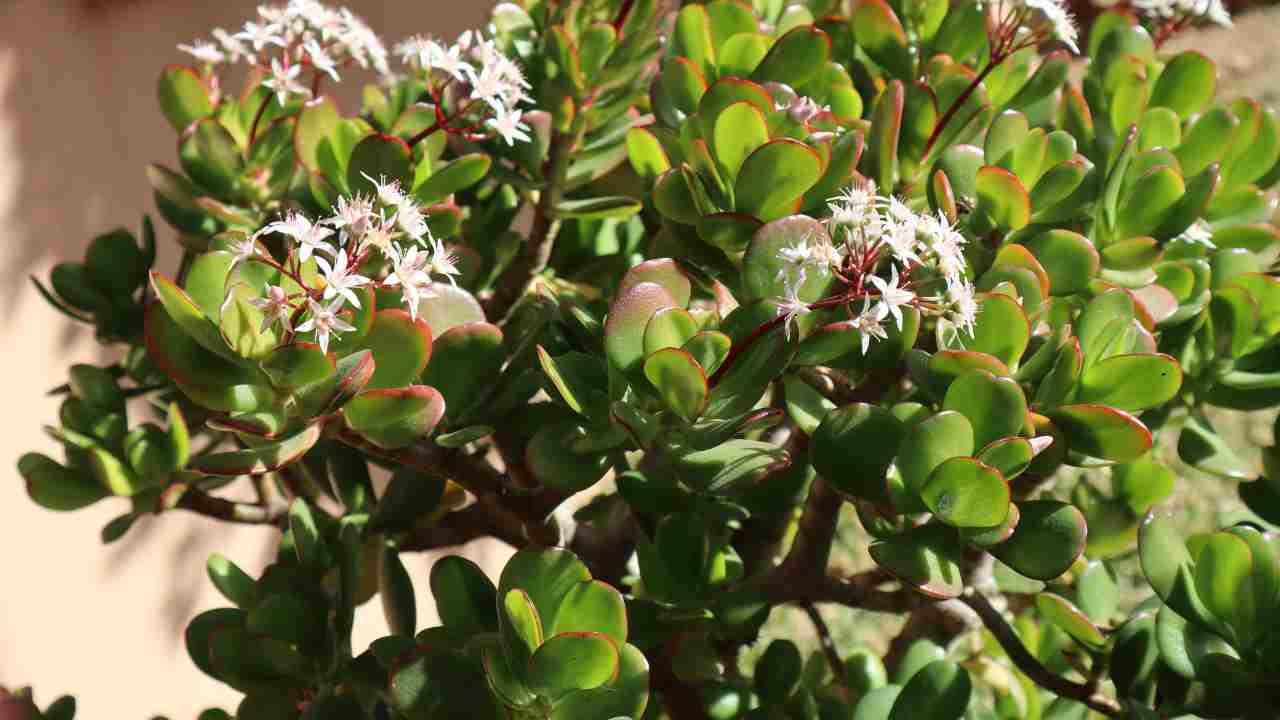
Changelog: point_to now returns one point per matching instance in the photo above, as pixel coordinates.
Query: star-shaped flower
(324, 321)
(340, 279)
(275, 307)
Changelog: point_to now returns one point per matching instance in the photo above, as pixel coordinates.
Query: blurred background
(78, 121)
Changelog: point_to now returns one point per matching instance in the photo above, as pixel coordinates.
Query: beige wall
(78, 120)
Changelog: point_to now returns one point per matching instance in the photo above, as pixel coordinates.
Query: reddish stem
(950, 114)
(257, 118)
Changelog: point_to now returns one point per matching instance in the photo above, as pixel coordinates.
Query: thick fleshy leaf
(662, 271)
(1167, 565)
(1002, 199)
(860, 473)
(188, 316)
(926, 557)
(1186, 84)
(1102, 432)
(669, 328)
(880, 34)
(1010, 456)
(296, 365)
(967, 493)
(1112, 381)
(740, 129)
(930, 442)
(995, 406)
(555, 464)
(680, 381)
(395, 417)
(729, 465)
(628, 318)
(939, 691)
(184, 99)
(463, 361)
(381, 157)
(1069, 618)
(547, 575)
(401, 348)
(1069, 259)
(465, 598)
(572, 661)
(775, 177)
(1223, 569)
(1049, 537)
(55, 487)
(1001, 329)
(257, 460)
(1200, 446)
(452, 306)
(317, 122)
(765, 274)
(880, 162)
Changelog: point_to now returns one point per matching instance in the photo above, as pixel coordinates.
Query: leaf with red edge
(260, 459)
(394, 417)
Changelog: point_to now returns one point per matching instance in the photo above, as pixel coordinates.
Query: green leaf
(995, 406)
(592, 606)
(54, 487)
(930, 442)
(1223, 569)
(184, 99)
(234, 584)
(395, 588)
(628, 317)
(394, 417)
(1010, 456)
(876, 434)
(775, 177)
(967, 493)
(647, 156)
(381, 157)
(1186, 84)
(1206, 141)
(777, 674)
(739, 130)
(1200, 446)
(410, 495)
(554, 463)
(795, 57)
(401, 348)
(185, 314)
(669, 328)
(1102, 432)
(463, 360)
(692, 38)
(1150, 201)
(879, 32)
(572, 661)
(317, 122)
(1001, 328)
(805, 406)
(679, 380)
(729, 465)
(662, 271)
(307, 539)
(1049, 537)
(765, 274)
(260, 459)
(1069, 259)
(597, 208)
(1064, 614)
(880, 162)
(939, 691)
(1111, 382)
(926, 557)
(210, 156)
(299, 364)
(1002, 199)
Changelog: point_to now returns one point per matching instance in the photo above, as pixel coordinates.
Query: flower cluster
(1212, 10)
(494, 84)
(284, 40)
(1017, 24)
(877, 247)
(390, 223)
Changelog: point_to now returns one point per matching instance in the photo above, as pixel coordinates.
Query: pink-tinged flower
(442, 261)
(408, 273)
(508, 126)
(204, 51)
(283, 81)
(388, 191)
(340, 279)
(260, 35)
(311, 237)
(275, 307)
(324, 321)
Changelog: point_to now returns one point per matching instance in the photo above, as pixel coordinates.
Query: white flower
(324, 321)
(283, 81)
(964, 306)
(1198, 234)
(244, 248)
(353, 216)
(388, 191)
(447, 60)
(871, 323)
(499, 82)
(261, 35)
(794, 261)
(275, 307)
(231, 45)
(340, 279)
(442, 261)
(901, 238)
(407, 272)
(320, 60)
(409, 218)
(414, 50)
(791, 308)
(309, 236)
(803, 109)
(1212, 10)
(508, 126)
(204, 51)
(893, 297)
(854, 206)
(378, 234)
(1054, 14)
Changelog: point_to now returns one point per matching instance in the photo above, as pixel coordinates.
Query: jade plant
(719, 272)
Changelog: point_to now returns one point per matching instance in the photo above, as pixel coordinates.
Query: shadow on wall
(78, 123)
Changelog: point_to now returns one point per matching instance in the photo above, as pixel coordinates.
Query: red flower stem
(257, 118)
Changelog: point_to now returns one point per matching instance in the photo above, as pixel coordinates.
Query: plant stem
(257, 117)
(824, 639)
(950, 114)
(1030, 666)
(201, 503)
